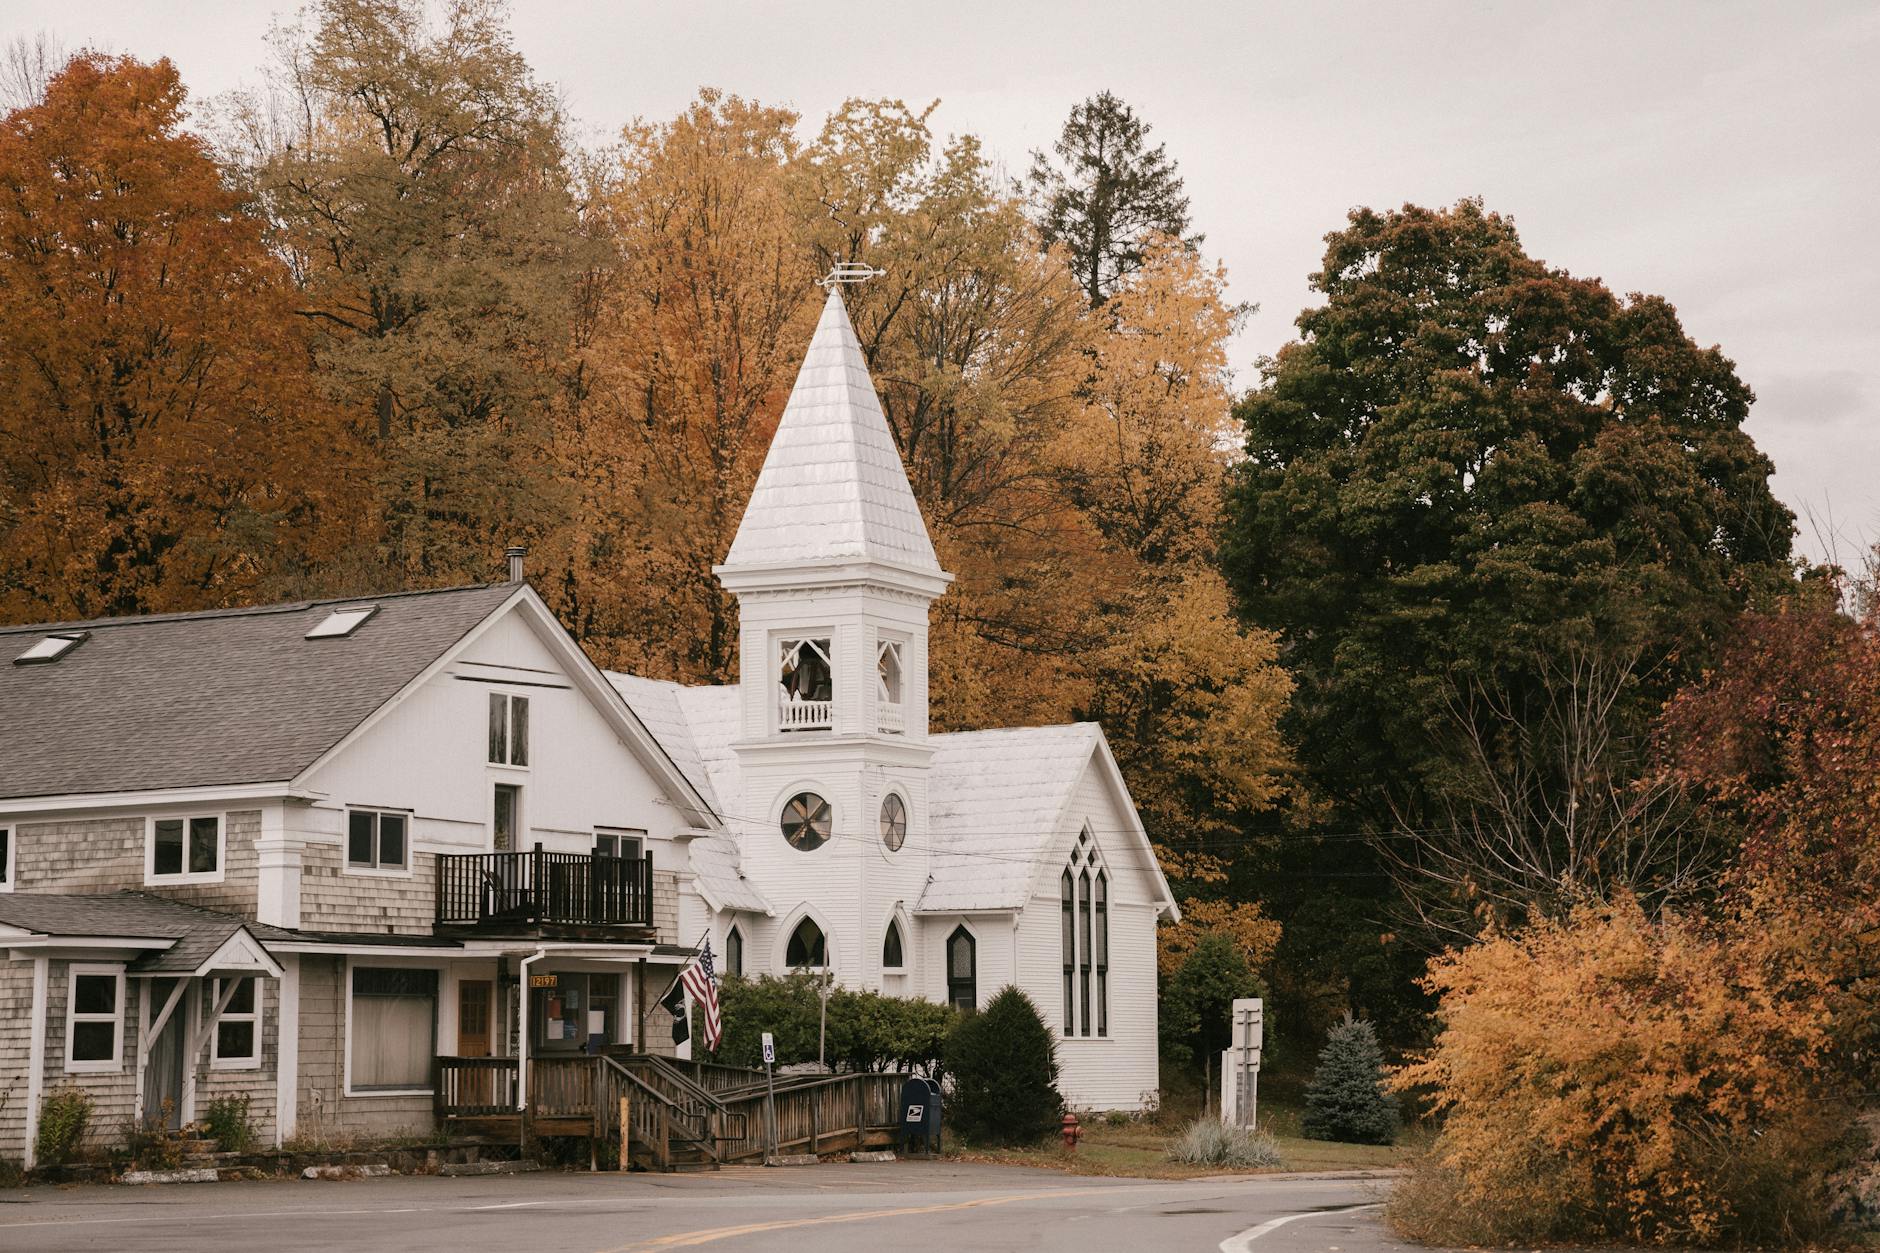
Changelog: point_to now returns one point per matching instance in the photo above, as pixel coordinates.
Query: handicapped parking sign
(770, 1049)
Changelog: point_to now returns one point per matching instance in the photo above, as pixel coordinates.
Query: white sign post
(1240, 1064)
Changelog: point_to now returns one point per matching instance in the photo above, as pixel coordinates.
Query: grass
(1139, 1149)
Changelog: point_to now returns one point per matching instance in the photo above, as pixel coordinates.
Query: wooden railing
(475, 1086)
(537, 888)
(804, 715)
(891, 716)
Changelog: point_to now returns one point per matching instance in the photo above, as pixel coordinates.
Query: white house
(944, 866)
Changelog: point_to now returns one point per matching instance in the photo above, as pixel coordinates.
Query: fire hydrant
(1072, 1132)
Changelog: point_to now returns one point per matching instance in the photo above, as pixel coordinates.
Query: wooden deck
(676, 1114)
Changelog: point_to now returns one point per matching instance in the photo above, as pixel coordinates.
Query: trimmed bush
(64, 1116)
(1347, 1100)
(1207, 1141)
(1003, 1061)
(866, 1030)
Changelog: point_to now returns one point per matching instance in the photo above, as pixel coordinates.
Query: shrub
(866, 1030)
(1346, 1100)
(1004, 1066)
(151, 1145)
(64, 1116)
(1207, 1141)
(1612, 1077)
(226, 1122)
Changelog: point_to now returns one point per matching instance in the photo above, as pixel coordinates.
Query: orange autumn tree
(1613, 1077)
(163, 447)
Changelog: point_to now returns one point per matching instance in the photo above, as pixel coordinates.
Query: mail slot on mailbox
(920, 1116)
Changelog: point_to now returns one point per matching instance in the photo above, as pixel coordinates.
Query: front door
(474, 997)
(163, 1076)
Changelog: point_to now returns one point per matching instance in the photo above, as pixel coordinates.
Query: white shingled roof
(832, 487)
(994, 801)
(663, 708)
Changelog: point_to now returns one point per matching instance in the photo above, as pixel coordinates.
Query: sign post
(1249, 1037)
(770, 1098)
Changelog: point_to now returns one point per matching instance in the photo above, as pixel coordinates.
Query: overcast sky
(1726, 156)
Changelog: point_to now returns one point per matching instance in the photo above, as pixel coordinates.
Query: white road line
(1244, 1241)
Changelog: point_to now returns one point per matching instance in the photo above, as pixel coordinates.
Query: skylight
(51, 648)
(342, 622)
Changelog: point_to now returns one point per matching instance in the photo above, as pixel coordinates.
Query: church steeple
(832, 489)
(832, 565)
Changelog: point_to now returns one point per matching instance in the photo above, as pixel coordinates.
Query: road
(830, 1209)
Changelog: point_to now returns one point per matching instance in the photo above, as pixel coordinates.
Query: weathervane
(846, 272)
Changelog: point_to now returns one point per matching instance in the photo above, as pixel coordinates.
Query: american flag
(701, 983)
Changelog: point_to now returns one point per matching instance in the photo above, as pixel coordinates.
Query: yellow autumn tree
(1611, 1076)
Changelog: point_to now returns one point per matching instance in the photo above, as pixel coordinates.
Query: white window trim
(153, 879)
(116, 1064)
(11, 858)
(377, 872)
(438, 1023)
(509, 731)
(621, 835)
(894, 920)
(216, 1060)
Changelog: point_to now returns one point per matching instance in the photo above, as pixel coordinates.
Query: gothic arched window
(734, 952)
(962, 970)
(893, 954)
(1084, 908)
(807, 947)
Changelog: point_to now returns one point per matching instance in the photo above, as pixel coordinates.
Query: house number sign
(543, 981)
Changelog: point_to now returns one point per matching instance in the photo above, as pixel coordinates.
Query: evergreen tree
(1347, 1100)
(1198, 1000)
(1107, 196)
(1004, 1066)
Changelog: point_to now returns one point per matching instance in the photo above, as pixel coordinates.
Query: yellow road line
(684, 1239)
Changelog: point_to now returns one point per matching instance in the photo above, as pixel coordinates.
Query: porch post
(287, 1050)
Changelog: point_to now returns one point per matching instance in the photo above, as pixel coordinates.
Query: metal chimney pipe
(515, 553)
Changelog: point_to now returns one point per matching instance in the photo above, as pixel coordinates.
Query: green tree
(1004, 1066)
(1106, 196)
(418, 180)
(1347, 1100)
(1198, 999)
(1469, 464)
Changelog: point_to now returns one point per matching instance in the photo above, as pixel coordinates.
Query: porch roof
(195, 934)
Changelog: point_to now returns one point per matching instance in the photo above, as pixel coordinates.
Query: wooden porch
(675, 1114)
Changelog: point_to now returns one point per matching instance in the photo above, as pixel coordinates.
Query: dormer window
(806, 685)
(890, 672)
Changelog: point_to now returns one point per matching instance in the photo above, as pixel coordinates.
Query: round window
(893, 822)
(806, 821)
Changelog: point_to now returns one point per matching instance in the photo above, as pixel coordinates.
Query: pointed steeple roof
(832, 488)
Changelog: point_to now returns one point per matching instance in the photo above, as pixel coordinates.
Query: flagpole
(667, 991)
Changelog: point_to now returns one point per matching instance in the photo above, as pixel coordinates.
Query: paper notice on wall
(597, 1021)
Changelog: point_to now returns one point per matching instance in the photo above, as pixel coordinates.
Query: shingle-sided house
(328, 854)
(299, 852)
(856, 841)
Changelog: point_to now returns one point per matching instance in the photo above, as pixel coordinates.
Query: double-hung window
(394, 1029)
(509, 729)
(237, 1040)
(94, 1019)
(185, 849)
(377, 840)
(618, 842)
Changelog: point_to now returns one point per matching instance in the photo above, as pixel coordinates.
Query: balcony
(891, 717)
(533, 892)
(804, 715)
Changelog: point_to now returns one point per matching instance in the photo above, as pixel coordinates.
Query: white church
(855, 840)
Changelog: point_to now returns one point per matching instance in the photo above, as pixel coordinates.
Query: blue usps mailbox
(920, 1117)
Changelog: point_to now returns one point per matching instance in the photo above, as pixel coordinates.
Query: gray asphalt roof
(221, 697)
(198, 932)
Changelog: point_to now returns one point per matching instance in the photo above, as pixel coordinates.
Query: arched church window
(892, 955)
(807, 947)
(806, 821)
(893, 822)
(1084, 909)
(734, 952)
(962, 970)
(1067, 899)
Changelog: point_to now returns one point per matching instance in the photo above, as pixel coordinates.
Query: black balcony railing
(543, 889)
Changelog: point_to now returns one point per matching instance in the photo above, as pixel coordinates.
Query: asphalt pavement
(847, 1208)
